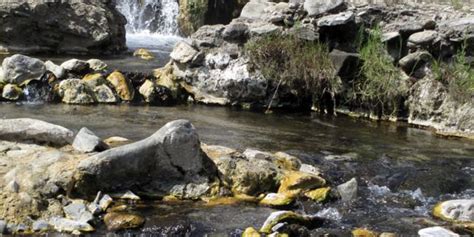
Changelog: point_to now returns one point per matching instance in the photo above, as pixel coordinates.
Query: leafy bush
(379, 86)
(303, 66)
(458, 76)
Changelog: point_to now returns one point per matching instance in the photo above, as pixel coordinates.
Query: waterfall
(150, 16)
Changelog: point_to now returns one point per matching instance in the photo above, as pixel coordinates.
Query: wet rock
(183, 53)
(348, 190)
(156, 95)
(250, 232)
(318, 195)
(122, 86)
(277, 199)
(122, 221)
(97, 65)
(414, 61)
(104, 94)
(284, 216)
(58, 71)
(66, 225)
(455, 210)
(40, 226)
(170, 157)
(11, 92)
(76, 66)
(319, 7)
(295, 182)
(25, 129)
(87, 141)
(286, 161)
(19, 68)
(78, 211)
(436, 231)
(75, 91)
(143, 54)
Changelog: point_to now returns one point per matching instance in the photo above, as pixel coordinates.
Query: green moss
(303, 66)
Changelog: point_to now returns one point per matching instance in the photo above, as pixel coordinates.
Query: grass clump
(379, 87)
(458, 75)
(305, 67)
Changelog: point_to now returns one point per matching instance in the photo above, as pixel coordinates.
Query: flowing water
(402, 171)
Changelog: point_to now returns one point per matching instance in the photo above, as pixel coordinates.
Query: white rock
(348, 190)
(436, 231)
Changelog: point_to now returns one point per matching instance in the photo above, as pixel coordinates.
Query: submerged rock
(122, 221)
(436, 231)
(87, 141)
(25, 129)
(66, 225)
(19, 68)
(169, 159)
(143, 54)
(455, 210)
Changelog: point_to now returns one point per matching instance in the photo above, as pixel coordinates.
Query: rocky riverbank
(55, 180)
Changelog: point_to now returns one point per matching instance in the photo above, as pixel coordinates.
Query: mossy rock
(295, 182)
(287, 161)
(11, 92)
(455, 210)
(361, 232)
(283, 216)
(122, 221)
(318, 195)
(251, 232)
(143, 54)
(94, 79)
(277, 199)
(123, 87)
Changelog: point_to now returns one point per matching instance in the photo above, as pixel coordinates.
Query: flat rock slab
(32, 130)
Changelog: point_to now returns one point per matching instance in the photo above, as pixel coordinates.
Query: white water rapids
(152, 24)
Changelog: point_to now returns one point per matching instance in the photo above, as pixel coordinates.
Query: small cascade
(150, 16)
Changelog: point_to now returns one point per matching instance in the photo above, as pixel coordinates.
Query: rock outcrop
(74, 27)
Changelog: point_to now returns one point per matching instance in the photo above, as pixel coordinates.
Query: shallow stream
(402, 171)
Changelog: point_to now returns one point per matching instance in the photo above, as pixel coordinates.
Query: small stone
(116, 141)
(105, 202)
(277, 199)
(122, 221)
(87, 141)
(360, 232)
(105, 94)
(94, 79)
(283, 216)
(436, 231)
(40, 226)
(250, 232)
(287, 161)
(310, 169)
(78, 211)
(97, 65)
(414, 61)
(11, 92)
(295, 182)
(76, 66)
(183, 53)
(318, 195)
(129, 195)
(75, 91)
(348, 190)
(143, 54)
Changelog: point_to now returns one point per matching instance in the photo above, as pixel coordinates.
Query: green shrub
(379, 86)
(303, 66)
(458, 76)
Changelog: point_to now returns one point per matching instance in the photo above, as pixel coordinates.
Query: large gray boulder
(169, 160)
(319, 7)
(25, 129)
(86, 26)
(19, 68)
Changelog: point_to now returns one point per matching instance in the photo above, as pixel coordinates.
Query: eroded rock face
(90, 26)
(163, 161)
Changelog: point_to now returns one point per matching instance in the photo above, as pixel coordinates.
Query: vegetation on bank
(303, 66)
(458, 75)
(379, 87)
